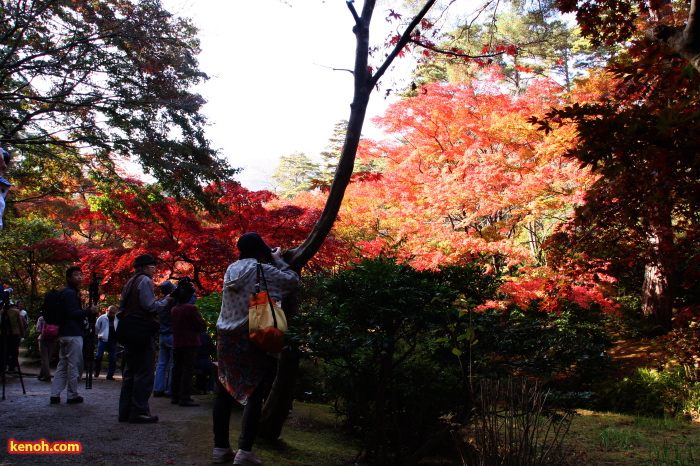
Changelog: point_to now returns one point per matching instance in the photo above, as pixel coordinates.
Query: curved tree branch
(364, 83)
(686, 42)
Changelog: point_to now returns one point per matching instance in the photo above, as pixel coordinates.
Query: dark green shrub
(646, 392)
(376, 328)
(210, 308)
(564, 350)
(399, 350)
(31, 344)
(310, 385)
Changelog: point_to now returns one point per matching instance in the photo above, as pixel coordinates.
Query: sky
(272, 91)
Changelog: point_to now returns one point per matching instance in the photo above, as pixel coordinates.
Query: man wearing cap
(138, 303)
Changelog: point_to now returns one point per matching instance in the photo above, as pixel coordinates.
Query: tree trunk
(659, 288)
(281, 397)
(685, 43)
(278, 402)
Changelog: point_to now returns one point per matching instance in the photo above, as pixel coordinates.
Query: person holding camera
(15, 336)
(244, 368)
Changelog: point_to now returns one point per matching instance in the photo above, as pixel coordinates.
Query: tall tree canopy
(614, 21)
(642, 137)
(469, 180)
(83, 82)
(295, 173)
(467, 175)
(189, 243)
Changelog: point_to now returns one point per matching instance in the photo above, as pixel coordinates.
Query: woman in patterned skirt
(243, 368)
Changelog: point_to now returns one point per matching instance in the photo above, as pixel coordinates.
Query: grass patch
(311, 437)
(615, 439)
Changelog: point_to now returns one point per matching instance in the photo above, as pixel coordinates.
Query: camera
(184, 290)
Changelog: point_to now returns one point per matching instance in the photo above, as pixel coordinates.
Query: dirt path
(104, 440)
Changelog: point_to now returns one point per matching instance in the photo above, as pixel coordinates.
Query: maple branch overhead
(405, 39)
(455, 54)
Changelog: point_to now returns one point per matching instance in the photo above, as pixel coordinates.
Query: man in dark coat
(138, 304)
(70, 339)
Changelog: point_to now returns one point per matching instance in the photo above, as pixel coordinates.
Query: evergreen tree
(525, 44)
(294, 173)
(332, 153)
(84, 82)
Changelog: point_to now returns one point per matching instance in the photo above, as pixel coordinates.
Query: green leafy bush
(210, 307)
(565, 351)
(647, 392)
(376, 328)
(399, 350)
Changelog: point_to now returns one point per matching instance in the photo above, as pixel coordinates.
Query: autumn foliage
(467, 179)
(110, 229)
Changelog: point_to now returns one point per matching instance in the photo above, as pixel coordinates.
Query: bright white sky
(272, 92)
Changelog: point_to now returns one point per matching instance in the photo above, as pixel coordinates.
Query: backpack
(52, 309)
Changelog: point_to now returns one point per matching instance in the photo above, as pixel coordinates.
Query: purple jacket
(187, 323)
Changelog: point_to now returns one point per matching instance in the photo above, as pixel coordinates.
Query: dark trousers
(251, 418)
(205, 380)
(183, 369)
(137, 380)
(13, 342)
(111, 348)
(47, 348)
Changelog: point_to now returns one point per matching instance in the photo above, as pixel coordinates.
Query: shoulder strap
(261, 273)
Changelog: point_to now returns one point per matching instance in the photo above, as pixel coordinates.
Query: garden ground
(181, 437)
(310, 437)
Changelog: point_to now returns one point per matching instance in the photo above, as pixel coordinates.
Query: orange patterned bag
(266, 321)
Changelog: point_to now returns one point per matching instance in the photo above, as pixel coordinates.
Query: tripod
(5, 332)
(89, 347)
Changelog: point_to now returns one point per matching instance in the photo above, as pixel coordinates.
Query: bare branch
(350, 5)
(335, 69)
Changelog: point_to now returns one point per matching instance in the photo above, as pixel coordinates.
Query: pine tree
(294, 173)
(331, 154)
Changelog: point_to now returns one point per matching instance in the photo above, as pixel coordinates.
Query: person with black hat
(138, 309)
(243, 368)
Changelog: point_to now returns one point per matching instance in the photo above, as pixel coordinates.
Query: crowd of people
(165, 369)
